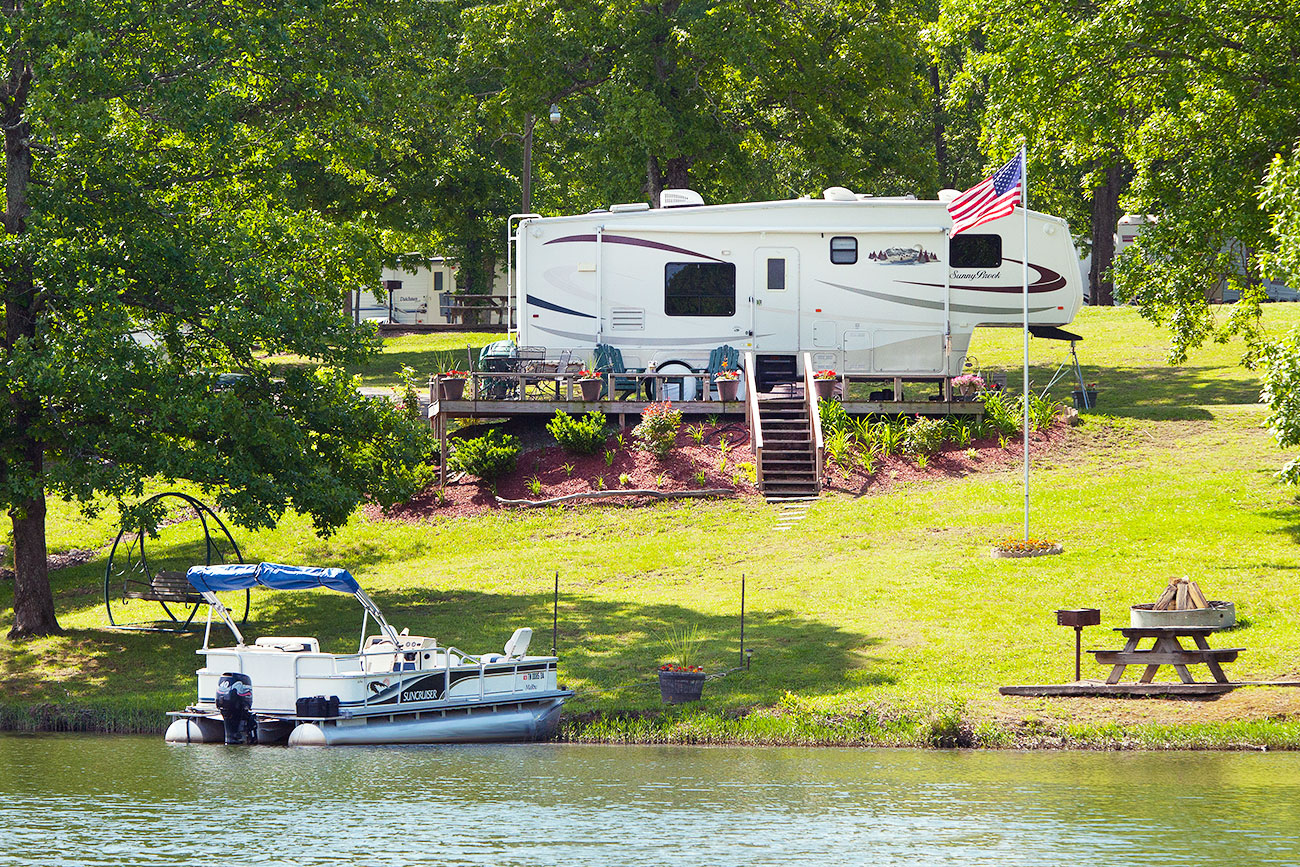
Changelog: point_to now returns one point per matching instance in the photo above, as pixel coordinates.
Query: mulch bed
(561, 473)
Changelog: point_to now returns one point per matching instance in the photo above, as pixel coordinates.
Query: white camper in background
(868, 286)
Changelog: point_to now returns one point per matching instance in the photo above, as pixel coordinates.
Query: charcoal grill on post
(1078, 618)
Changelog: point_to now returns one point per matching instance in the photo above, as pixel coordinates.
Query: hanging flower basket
(679, 685)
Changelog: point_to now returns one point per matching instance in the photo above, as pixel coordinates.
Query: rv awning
(238, 576)
(1051, 332)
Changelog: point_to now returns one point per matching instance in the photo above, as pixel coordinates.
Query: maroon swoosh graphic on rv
(631, 242)
(1046, 281)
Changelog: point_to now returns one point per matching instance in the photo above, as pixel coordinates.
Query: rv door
(776, 300)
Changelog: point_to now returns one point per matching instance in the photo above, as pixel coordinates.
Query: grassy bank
(877, 619)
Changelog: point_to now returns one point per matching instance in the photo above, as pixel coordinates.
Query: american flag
(995, 196)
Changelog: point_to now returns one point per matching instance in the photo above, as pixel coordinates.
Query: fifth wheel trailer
(869, 286)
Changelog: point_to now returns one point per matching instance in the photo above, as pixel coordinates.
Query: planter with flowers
(589, 383)
(968, 385)
(1086, 399)
(728, 382)
(681, 680)
(451, 384)
(824, 381)
(1011, 548)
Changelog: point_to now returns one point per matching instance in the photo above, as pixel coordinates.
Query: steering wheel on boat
(164, 536)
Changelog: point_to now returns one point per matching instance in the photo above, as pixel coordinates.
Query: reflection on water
(81, 800)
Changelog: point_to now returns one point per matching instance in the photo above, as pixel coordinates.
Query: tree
(1053, 75)
(175, 177)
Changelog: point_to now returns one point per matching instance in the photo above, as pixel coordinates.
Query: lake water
(87, 800)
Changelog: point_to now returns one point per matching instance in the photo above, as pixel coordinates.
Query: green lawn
(877, 619)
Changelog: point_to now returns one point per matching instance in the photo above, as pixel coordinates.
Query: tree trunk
(940, 145)
(654, 180)
(33, 601)
(1105, 214)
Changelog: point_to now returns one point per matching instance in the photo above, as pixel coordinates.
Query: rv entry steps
(789, 459)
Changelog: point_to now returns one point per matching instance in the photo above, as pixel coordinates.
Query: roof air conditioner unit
(948, 195)
(680, 199)
(838, 194)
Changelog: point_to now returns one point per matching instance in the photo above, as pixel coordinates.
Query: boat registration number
(534, 675)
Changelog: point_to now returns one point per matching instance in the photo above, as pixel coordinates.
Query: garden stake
(742, 618)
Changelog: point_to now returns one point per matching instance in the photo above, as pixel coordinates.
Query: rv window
(700, 289)
(844, 251)
(976, 251)
(776, 275)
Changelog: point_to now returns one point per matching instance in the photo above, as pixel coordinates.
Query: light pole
(530, 121)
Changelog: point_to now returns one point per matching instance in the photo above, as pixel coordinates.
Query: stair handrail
(752, 419)
(814, 416)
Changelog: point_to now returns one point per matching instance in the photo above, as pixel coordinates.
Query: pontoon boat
(396, 689)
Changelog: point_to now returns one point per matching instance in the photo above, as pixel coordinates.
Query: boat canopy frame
(210, 580)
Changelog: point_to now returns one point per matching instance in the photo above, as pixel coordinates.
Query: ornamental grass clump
(657, 431)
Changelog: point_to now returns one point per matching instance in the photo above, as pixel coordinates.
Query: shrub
(489, 457)
(658, 428)
(584, 436)
(923, 436)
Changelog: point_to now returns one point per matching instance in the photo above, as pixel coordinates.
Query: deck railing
(752, 419)
(814, 416)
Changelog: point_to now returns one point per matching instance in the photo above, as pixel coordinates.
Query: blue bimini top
(238, 576)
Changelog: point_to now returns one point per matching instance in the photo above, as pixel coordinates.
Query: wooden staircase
(786, 435)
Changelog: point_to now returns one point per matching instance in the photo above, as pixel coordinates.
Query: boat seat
(515, 647)
(380, 655)
(288, 644)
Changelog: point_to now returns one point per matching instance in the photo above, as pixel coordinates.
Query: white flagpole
(1024, 206)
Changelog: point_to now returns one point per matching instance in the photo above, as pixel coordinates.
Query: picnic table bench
(1166, 650)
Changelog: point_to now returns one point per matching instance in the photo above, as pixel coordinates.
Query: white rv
(869, 286)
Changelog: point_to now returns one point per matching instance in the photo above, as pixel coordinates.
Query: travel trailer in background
(1131, 225)
(868, 286)
(425, 295)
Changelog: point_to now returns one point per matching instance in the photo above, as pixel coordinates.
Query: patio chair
(723, 358)
(609, 359)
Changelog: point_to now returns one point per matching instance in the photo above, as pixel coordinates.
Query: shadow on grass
(609, 650)
(1159, 393)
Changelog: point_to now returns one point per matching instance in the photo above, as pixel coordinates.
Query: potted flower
(824, 382)
(589, 383)
(451, 384)
(680, 679)
(728, 382)
(968, 384)
(1015, 548)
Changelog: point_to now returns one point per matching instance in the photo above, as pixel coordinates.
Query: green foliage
(833, 417)
(682, 645)
(624, 479)
(657, 431)
(584, 436)
(839, 448)
(924, 436)
(697, 433)
(489, 457)
(610, 454)
(1002, 412)
(535, 486)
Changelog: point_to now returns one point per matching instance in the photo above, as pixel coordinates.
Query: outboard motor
(235, 701)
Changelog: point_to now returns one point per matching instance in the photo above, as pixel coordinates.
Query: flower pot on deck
(451, 389)
(590, 388)
(727, 388)
(679, 687)
(825, 388)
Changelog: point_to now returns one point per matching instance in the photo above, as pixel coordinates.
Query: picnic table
(1166, 650)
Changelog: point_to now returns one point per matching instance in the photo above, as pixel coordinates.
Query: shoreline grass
(876, 620)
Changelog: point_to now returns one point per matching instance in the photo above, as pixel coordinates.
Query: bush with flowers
(657, 431)
(968, 383)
